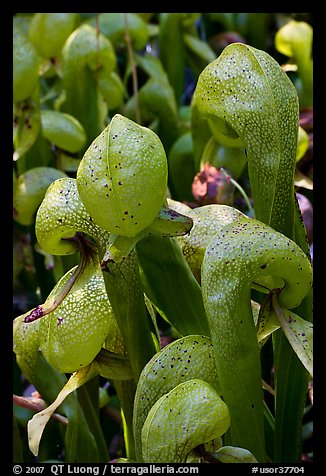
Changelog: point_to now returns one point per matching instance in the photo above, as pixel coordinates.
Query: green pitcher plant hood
(245, 254)
(122, 177)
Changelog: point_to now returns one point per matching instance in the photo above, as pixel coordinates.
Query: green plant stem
(123, 286)
(126, 390)
(243, 193)
(269, 429)
(18, 456)
(133, 69)
(92, 417)
(124, 289)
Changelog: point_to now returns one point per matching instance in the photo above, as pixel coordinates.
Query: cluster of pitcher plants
(160, 238)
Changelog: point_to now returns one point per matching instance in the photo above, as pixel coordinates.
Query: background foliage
(68, 86)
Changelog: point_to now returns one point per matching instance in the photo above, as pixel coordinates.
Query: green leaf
(26, 63)
(29, 192)
(83, 54)
(49, 31)
(300, 335)
(181, 168)
(298, 332)
(113, 26)
(111, 88)
(290, 384)
(63, 130)
(200, 132)
(152, 66)
(164, 272)
(156, 100)
(295, 39)
(171, 39)
(27, 124)
(267, 323)
(17, 443)
(199, 47)
(232, 454)
(303, 143)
